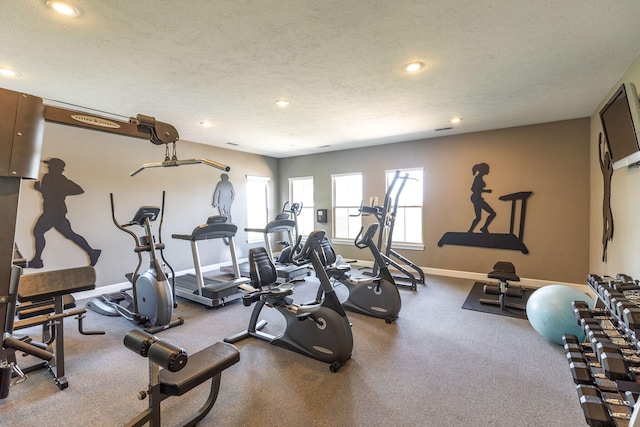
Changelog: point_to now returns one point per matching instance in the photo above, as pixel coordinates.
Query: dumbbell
(622, 304)
(578, 363)
(571, 343)
(625, 283)
(582, 310)
(631, 317)
(608, 295)
(617, 363)
(595, 409)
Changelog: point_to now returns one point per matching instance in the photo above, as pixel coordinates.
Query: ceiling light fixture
(456, 120)
(413, 66)
(282, 103)
(63, 8)
(206, 124)
(7, 72)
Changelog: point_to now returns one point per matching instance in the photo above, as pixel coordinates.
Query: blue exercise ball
(550, 312)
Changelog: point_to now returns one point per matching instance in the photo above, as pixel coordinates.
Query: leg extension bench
(171, 375)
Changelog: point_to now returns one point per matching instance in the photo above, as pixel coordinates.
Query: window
(347, 198)
(257, 206)
(301, 191)
(408, 219)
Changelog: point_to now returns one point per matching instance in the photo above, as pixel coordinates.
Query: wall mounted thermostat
(321, 215)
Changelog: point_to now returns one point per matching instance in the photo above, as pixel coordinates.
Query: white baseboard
(116, 287)
(480, 277)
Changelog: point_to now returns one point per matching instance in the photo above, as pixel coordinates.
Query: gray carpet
(437, 365)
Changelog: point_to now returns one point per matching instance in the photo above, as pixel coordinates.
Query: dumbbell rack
(606, 365)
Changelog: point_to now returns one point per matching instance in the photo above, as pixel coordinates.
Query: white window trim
(266, 180)
(341, 240)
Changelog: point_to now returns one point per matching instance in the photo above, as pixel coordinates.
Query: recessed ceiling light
(63, 8)
(282, 103)
(413, 66)
(7, 72)
(456, 120)
(206, 124)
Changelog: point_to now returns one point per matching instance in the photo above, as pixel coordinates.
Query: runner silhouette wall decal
(54, 188)
(606, 165)
(484, 238)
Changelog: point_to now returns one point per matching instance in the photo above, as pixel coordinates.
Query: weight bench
(505, 272)
(47, 295)
(178, 377)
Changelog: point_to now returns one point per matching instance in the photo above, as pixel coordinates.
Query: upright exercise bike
(373, 296)
(150, 300)
(320, 330)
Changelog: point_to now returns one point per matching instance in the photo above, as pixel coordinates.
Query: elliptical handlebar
(121, 226)
(370, 210)
(137, 247)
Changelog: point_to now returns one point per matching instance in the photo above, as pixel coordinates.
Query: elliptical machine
(296, 208)
(319, 330)
(151, 301)
(386, 217)
(376, 296)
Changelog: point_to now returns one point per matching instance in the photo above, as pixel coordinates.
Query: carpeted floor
(437, 365)
(477, 293)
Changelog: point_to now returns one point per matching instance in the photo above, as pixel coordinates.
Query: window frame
(308, 212)
(355, 224)
(252, 207)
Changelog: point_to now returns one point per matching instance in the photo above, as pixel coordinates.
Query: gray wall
(100, 163)
(550, 159)
(623, 250)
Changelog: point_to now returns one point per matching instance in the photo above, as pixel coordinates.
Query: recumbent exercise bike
(320, 330)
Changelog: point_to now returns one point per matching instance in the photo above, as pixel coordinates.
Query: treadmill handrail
(209, 231)
(274, 226)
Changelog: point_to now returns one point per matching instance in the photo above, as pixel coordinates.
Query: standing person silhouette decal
(55, 187)
(479, 204)
(223, 196)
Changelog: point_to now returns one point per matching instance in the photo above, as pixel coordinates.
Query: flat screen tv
(620, 119)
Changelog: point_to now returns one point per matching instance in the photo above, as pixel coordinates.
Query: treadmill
(211, 290)
(288, 272)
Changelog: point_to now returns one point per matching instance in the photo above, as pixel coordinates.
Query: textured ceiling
(494, 63)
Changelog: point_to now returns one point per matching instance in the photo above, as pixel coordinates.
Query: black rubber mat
(473, 302)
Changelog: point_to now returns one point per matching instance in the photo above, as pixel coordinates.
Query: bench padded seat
(200, 367)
